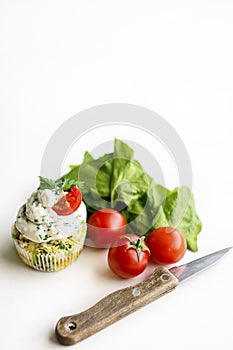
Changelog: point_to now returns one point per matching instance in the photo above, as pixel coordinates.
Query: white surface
(60, 57)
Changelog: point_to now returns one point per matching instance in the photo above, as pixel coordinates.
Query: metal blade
(187, 270)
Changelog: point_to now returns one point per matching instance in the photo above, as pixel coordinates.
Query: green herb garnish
(61, 184)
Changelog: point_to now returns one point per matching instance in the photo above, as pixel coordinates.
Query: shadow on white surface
(11, 258)
(52, 337)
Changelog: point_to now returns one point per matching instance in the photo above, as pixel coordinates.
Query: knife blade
(72, 329)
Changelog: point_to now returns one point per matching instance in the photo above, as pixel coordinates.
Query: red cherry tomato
(129, 256)
(105, 226)
(167, 245)
(69, 203)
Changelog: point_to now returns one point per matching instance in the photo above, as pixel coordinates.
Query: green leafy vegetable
(117, 180)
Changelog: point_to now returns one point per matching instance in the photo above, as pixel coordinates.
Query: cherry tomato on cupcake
(105, 226)
(129, 256)
(69, 203)
(167, 245)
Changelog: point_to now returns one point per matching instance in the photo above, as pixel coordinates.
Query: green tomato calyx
(138, 245)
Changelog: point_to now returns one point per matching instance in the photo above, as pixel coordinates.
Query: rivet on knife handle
(73, 329)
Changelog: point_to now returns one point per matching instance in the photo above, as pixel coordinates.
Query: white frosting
(38, 222)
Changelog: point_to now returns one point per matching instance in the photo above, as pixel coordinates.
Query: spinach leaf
(117, 180)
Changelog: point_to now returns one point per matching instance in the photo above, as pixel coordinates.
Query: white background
(174, 57)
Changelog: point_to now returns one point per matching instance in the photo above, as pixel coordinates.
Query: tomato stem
(138, 245)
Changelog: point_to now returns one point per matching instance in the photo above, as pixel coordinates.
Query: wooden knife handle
(73, 329)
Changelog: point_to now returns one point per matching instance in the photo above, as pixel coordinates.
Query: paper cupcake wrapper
(49, 262)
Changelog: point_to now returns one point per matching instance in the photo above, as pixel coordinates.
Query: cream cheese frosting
(38, 222)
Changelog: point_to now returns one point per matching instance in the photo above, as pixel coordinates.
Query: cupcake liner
(49, 262)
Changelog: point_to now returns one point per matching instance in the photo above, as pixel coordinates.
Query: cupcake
(50, 228)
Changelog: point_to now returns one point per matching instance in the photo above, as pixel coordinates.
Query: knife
(72, 329)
